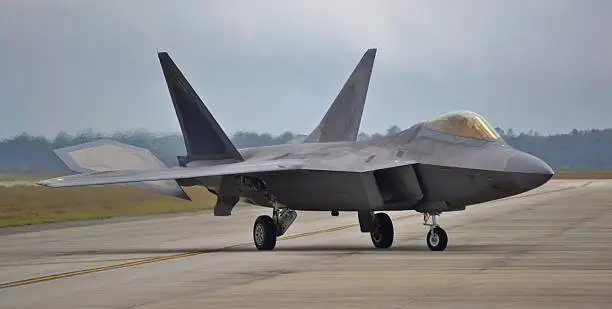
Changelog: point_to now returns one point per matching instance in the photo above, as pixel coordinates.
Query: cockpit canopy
(464, 124)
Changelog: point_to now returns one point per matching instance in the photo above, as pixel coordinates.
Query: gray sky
(72, 65)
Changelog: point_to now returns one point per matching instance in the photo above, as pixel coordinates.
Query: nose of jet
(528, 171)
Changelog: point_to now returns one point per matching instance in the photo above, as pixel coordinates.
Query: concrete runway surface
(549, 248)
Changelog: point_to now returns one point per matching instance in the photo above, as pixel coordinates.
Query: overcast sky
(271, 66)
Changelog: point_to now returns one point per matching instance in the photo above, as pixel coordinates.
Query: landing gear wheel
(382, 235)
(264, 233)
(437, 239)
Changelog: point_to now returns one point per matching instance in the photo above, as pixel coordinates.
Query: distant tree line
(25, 154)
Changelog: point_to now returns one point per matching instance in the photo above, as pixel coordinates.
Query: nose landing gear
(436, 237)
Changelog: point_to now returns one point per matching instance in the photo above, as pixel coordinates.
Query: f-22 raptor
(436, 166)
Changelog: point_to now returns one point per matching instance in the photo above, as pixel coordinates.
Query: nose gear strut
(436, 237)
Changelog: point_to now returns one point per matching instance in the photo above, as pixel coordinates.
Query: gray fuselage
(443, 172)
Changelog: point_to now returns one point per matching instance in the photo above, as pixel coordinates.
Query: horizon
(278, 134)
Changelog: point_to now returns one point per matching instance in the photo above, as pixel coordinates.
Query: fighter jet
(440, 165)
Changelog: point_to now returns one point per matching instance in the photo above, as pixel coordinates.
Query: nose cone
(528, 172)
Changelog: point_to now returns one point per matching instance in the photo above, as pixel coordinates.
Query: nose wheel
(436, 237)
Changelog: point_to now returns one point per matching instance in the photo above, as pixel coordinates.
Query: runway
(549, 248)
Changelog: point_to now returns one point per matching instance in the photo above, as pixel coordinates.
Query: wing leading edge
(128, 176)
(245, 167)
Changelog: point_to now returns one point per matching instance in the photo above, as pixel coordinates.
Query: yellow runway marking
(93, 270)
(80, 261)
(165, 258)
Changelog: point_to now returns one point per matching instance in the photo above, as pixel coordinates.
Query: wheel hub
(434, 239)
(259, 234)
(376, 235)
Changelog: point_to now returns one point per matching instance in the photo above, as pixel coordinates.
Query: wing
(128, 176)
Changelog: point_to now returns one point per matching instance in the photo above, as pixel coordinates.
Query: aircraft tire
(264, 233)
(382, 236)
(437, 239)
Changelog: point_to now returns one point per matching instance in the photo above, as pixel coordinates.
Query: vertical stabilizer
(343, 118)
(204, 138)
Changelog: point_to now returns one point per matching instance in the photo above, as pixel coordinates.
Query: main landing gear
(436, 237)
(382, 235)
(266, 229)
(380, 228)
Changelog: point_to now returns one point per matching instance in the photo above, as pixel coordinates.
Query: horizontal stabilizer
(108, 155)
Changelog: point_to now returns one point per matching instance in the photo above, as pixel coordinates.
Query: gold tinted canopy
(464, 124)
